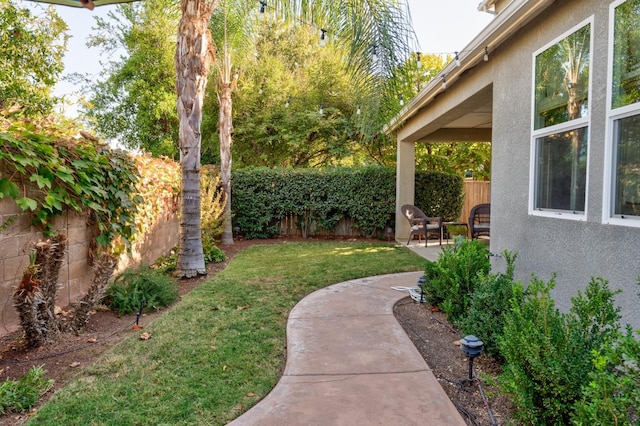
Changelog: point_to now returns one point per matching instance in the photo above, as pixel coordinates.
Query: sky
(442, 26)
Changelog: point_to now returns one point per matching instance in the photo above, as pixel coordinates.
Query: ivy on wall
(261, 197)
(46, 169)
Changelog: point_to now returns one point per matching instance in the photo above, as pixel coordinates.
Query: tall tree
(135, 104)
(31, 53)
(375, 33)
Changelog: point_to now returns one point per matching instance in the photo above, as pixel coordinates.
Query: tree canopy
(31, 53)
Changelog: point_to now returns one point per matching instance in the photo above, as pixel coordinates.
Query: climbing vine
(46, 168)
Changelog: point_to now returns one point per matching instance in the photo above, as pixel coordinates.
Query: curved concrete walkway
(349, 362)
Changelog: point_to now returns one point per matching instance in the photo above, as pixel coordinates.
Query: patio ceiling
(467, 121)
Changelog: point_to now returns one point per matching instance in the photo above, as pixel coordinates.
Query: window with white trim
(624, 115)
(560, 136)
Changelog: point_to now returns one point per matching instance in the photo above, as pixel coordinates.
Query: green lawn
(222, 348)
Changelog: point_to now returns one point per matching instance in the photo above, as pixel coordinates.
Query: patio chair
(421, 224)
(480, 221)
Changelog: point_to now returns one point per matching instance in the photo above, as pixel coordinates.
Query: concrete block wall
(17, 239)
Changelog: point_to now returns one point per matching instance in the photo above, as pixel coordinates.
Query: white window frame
(560, 128)
(608, 192)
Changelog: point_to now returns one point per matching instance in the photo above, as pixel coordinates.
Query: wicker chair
(480, 221)
(421, 224)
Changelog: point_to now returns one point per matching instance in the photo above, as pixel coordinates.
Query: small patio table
(445, 225)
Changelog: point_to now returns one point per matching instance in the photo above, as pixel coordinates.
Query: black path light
(471, 347)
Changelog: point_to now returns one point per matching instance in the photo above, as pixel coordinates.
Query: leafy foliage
(32, 49)
(67, 172)
(213, 202)
(612, 394)
(22, 394)
(453, 278)
(439, 194)
(489, 303)
(136, 103)
(547, 352)
(133, 289)
(462, 159)
(320, 198)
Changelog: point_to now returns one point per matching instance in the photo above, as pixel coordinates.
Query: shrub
(452, 279)
(488, 305)
(213, 202)
(22, 394)
(213, 254)
(143, 287)
(547, 352)
(612, 394)
(320, 198)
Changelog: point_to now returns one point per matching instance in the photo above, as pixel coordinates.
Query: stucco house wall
(575, 250)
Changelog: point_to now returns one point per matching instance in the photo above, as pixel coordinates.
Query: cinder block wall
(17, 239)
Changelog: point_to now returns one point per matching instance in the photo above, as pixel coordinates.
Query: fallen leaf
(457, 343)
(224, 368)
(215, 309)
(214, 347)
(251, 394)
(238, 407)
(434, 309)
(145, 336)
(137, 327)
(240, 308)
(92, 340)
(74, 364)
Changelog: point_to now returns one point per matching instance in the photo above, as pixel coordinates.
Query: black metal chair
(421, 224)
(480, 221)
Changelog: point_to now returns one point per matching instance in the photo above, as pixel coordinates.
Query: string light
(401, 99)
(444, 81)
(457, 60)
(323, 41)
(486, 54)
(418, 63)
(375, 52)
(286, 105)
(321, 109)
(263, 5)
(261, 88)
(359, 110)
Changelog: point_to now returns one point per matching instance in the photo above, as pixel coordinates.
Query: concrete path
(349, 362)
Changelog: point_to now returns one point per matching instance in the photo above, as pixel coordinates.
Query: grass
(222, 348)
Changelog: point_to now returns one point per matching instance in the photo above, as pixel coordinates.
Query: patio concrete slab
(349, 362)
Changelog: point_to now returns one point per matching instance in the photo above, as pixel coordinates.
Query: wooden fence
(475, 192)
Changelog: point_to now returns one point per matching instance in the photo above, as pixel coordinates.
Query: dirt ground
(429, 331)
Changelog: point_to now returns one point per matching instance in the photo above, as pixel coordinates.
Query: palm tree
(194, 54)
(376, 34)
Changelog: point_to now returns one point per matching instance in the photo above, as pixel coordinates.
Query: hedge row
(262, 197)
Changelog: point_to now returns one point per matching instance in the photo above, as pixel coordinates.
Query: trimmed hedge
(262, 197)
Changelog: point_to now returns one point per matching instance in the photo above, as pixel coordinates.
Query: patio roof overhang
(470, 119)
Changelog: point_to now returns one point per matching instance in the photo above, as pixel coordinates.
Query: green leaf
(8, 188)
(41, 181)
(26, 203)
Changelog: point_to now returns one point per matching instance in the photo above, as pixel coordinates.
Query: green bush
(612, 394)
(547, 353)
(213, 254)
(132, 289)
(320, 198)
(439, 194)
(489, 303)
(452, 279)
(22, 394)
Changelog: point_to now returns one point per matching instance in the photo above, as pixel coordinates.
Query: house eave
(514, 16)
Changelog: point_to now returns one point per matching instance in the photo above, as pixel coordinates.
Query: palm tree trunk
(194, 52)
(225, 126)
